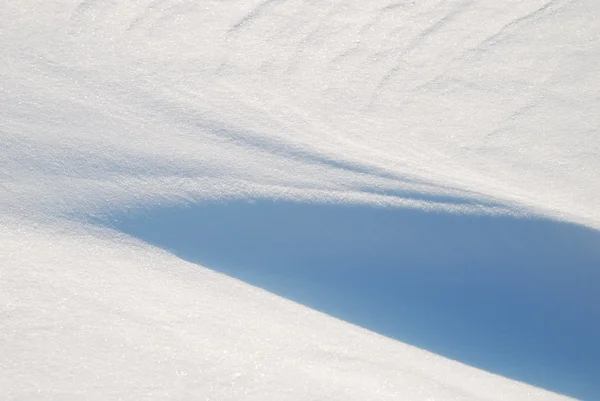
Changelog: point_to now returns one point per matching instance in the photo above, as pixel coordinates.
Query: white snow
(109, 109)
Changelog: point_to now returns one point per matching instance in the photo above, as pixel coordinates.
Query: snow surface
(426, 170)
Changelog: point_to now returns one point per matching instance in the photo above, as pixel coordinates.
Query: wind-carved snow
(473, 120)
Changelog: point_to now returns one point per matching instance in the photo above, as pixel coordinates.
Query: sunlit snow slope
(427, 170)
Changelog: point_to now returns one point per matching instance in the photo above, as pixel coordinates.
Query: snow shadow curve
(516, 297)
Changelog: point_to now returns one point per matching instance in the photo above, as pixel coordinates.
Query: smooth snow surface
(427, 170)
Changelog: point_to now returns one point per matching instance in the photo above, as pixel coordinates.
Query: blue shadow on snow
(517, 297)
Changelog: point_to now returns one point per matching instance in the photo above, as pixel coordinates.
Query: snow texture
(394, 190)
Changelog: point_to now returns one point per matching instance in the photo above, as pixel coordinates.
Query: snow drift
(426, 170)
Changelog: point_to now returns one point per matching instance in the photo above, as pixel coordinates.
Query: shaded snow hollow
(424, 170)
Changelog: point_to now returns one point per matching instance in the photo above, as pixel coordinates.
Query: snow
(424, 170)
